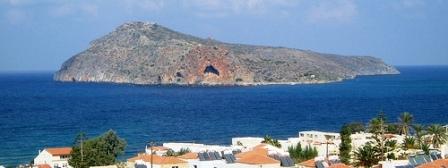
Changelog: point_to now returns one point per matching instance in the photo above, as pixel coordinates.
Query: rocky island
(148, 53)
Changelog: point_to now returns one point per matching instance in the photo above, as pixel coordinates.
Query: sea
(37, 112)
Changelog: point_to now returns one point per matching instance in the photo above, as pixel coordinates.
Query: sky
(39, 35)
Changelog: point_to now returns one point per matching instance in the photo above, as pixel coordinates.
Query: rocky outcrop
(147, 53)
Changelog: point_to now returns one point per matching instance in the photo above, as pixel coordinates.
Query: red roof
(189, 155)
(339, 165)
(43, 166)
(308, 163)
(157, 159)
(254, 158)
(59, 151)
(435, 164)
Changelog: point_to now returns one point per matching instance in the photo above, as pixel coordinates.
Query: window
(64, 156)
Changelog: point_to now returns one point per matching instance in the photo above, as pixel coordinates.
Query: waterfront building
(53, 158)
(157, 150)
(324, 142)
(146, 160)
(195, 147)
(246, 142)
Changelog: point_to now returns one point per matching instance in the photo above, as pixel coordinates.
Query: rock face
(146, 53)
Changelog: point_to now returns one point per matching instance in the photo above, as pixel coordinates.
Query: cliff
(146, 53)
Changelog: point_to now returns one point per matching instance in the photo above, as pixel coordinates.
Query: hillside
(146, 53)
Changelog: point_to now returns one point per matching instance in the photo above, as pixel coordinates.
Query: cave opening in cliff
(211, 69)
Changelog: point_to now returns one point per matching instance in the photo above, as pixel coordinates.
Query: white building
(146, 160)
(53, 157)
(361, 138)
(250, 142)
(158, 150)
(247, 142)
(394, 163)
(194, 147)
(320, 140)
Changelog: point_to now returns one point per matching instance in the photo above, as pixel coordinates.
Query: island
(148, 53)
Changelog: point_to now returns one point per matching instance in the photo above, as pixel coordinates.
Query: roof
(257, 150)
(339, 165)
(43, 166)
(435, 164)
(254, 158)
(156, 159)
(59, 151)
(109, 166)
(308, 163)
(189, 155)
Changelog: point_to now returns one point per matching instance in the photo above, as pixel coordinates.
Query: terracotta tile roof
(262, 145)
(133, 159)
(258, 150)
(43, 166)
(339, 165)
(157, 159)
(308, 163)
(59, 151)
(254, 158)
(435, 164)
(189, 155)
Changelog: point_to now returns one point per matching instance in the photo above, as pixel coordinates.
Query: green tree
(269, 140)
(425, 148)
(377, 127)
(419, 132)
(170, 152)
(81, 137)
(182, 151)
(366, 156)
(438, 135)
(409, 143)
(405, 122)
(299, 154)
(356, 127)
(98, 151)
(346, 144)
(393, 129)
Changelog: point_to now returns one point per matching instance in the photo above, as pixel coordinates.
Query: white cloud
(145, 5)
(332, 11)
(222, 8)
(68, 8)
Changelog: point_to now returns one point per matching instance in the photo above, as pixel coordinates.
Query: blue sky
(38, 35)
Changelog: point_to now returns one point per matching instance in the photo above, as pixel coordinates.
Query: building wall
(148, 165)
(46, 158)
(208, 164)
(318, 139)
(240, 165)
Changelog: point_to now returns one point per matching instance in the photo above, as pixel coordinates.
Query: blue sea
(37, 112)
